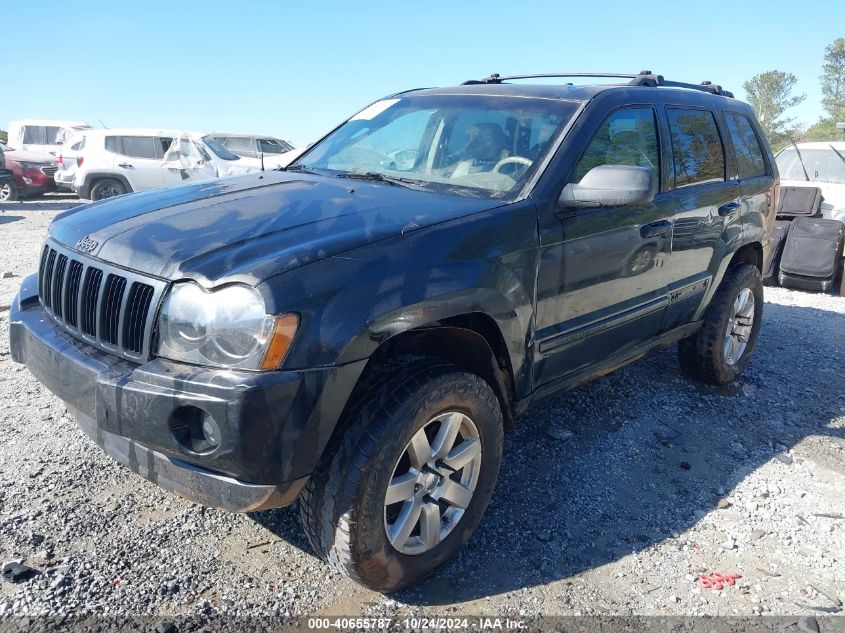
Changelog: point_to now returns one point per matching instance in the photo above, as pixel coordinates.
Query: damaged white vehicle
(819, 165)
(117, 161)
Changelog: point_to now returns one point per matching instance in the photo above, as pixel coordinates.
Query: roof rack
(643, 78)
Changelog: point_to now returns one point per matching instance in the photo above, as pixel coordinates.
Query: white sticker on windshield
(370, 112)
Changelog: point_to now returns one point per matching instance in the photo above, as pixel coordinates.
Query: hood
(251, 227)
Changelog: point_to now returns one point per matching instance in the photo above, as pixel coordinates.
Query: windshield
(218, 149)
(822, 165)
(474, 145)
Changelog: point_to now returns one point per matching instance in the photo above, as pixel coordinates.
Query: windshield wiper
(300, 168)
(379, 177)
(801, 159)
(841, 157)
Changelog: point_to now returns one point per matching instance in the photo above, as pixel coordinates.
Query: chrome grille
(50, 170)
(106, 306)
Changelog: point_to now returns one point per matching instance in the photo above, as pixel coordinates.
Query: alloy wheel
(739, 327)
(433, 483)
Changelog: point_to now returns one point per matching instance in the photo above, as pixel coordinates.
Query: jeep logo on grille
(86, 244)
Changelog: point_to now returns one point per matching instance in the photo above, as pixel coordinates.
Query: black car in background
(360, 330)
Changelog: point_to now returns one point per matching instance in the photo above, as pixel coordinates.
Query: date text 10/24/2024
(416, 623)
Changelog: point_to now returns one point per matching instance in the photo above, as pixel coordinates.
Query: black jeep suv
(358, 331)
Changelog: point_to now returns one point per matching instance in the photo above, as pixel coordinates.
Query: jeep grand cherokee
(358, 331)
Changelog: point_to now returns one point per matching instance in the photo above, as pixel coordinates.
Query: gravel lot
(612, 499)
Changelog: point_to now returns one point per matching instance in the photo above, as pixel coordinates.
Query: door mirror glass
(610, 186)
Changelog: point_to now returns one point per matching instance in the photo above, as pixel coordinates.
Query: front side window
(139, 146)
(815, 165)
(696, 147)
(626, 137)
(471, 145)
(749, 154)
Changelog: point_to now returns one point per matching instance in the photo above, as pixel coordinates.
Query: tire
(705, 356)
(107, 188)
(343, 507)
(9, 192)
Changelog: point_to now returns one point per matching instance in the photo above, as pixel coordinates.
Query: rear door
(754, 172)
(138, 160)
(708, 220)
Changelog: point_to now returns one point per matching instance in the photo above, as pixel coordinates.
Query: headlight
(228, 327)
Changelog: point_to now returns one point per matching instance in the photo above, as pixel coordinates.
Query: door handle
(730, 207)
(656, 229)
(126, 166)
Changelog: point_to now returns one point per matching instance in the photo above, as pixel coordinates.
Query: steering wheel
(513, 160)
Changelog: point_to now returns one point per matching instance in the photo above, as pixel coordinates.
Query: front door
(603, 274)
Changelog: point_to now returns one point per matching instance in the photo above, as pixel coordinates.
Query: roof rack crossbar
(643, 78)
(648, 78)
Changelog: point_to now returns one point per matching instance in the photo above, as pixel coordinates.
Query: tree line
(771, 95)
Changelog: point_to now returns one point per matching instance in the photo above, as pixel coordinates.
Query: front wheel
(9, 192)
(408, 479)
(722, 346)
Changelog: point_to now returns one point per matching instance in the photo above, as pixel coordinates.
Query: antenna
(105, 127)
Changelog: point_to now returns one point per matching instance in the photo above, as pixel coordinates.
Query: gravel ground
(612, 499)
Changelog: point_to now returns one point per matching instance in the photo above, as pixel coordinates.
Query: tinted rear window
(749, 153)
(34, 135)
(140, 146)
(696, 147)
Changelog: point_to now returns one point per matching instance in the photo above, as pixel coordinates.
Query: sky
(297, 69)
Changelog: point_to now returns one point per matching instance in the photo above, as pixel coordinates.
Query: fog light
(210, 432)
(27, 180)
(195, 430)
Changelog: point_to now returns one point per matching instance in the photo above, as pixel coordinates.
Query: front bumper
(274, 425)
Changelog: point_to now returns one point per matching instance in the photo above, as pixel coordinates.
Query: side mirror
(610, 186)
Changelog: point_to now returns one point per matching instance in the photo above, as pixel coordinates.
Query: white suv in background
(43, 136)
(117, 161)
(67, 159)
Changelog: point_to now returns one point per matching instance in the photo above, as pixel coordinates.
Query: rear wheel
(721, 348)
(107, 188)
(9, 192)
(408, 479)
